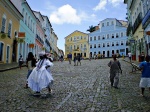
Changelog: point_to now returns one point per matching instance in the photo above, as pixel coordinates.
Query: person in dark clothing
(75, 58)
(79, 59)
(142, 56)
(30, 63)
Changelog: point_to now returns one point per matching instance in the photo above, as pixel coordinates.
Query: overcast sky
(66, 16)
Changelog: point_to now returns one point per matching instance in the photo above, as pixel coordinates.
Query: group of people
(39, 74)
(77, 59)
(144, 66)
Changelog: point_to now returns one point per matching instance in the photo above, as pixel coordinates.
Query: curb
(11, 68)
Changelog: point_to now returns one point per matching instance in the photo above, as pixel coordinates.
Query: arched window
(3, 24)
(9, 28)
(98, 37)
(107, 44)
(90, 46)
(94, 45)
(94, 37)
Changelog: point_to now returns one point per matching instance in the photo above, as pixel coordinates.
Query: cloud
(101, 5)
(66, 14)
(115, 2)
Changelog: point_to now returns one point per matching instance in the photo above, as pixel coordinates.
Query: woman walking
(40, 77)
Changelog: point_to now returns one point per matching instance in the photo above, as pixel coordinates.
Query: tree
(91, 28)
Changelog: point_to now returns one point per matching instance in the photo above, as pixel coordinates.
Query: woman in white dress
(40, 77)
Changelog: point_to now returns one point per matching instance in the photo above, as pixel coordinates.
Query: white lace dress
(40, 77)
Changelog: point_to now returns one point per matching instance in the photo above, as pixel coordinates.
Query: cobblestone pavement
(84, 88)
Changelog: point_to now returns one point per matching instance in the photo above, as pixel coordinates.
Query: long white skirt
(39, 79)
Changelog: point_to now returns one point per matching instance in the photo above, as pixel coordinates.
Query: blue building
(109, 39)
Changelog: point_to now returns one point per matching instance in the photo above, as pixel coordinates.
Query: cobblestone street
(84, 88)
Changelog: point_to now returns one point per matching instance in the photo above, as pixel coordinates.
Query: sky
(67, 16)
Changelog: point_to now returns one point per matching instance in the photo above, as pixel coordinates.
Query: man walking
(69, 58)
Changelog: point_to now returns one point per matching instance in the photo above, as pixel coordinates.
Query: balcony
(39, 39)
(145, 19)
(129, 29)
(47, 42)
(137, 22)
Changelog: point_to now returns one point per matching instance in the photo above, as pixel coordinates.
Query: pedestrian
(79, 59)
(145, 77)
(30, 63)
(61, 58)
(20, 61)
(69, 58)
(115, 69)
(142, 56)
(90, 57)
(129, 55)
(75, 58)
(40, 77)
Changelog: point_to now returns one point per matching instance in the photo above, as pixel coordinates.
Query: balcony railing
(47, 42)
(137, 22)
(39, 39)
(129, 29)
(145, 19)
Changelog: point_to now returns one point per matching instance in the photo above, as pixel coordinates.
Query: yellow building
(77, 43)
(9, 25)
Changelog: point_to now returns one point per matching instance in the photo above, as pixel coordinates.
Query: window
(103, 44)
(99, 45)
(107, 23)
(103, 37)
(107, 44)
(3, 24)
(94, 37)
(99, 52)
(29, 21)
(112, 23)
(121, 42)
(23, 15)
(117, 35)
(102, 24)
(84, 54)
(107, 36)
(71, 39)
(31, 25)
(90, 38)
(112, 35)
(117, 44)
(121, 34)
(26, 18)
(112, 43)
(81, 46)
(90, 46)
(81, 37)
(98, 37)
(74, 46)
(9, 28)
(94, 45)
(84, 45)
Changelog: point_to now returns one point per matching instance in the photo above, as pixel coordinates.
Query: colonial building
(135, 30)
(77, 43)
(109, 39)
(27, 26)
(40, 33)
(9, 24)
(48, 27)
(146, 24)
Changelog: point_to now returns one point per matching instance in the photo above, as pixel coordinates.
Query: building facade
(47, 26)
(109, 39)
(77, 43)
(40, 33)
(146, 24)
(9, 24)
(135, 29)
